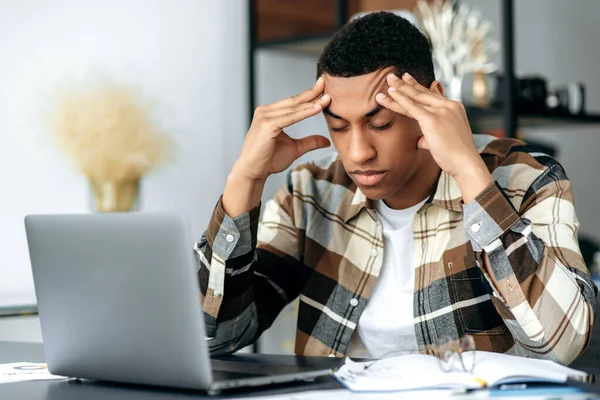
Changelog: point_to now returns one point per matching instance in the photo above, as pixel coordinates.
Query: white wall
(189, 55)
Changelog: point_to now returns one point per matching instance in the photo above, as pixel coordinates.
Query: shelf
(495, 116)
(309, 45)
(18, 311)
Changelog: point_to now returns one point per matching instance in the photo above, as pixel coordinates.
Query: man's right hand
(268, 149)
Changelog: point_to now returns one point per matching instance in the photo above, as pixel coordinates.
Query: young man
(416, 229)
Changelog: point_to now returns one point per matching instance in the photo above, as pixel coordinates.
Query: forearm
(550, 304)
(241, 329)
(541, 283)
(241, 194)
(232, 317)
(223, 256)
(245, 286)
(473, 178)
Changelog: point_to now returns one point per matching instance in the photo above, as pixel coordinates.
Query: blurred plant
(460, 40)
(107, 128)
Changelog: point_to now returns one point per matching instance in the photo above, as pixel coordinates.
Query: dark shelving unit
(527, 119)
(506, 116)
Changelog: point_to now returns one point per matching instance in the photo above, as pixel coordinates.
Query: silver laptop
(118, 300)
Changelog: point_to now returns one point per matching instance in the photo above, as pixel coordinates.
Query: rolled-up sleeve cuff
(232, 237)
(488, 216)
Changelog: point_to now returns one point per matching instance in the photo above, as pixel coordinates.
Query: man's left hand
(446, 131)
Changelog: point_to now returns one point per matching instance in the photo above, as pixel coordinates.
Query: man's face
(377, 146)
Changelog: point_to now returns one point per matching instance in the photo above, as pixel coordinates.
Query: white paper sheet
(25, 371)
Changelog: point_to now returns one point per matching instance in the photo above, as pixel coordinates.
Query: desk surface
(63, 390)
(72, 390)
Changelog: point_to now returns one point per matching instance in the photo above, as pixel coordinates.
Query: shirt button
(374, 252)
(331, 355)
(475, 228)
(353, 302)
(229, 238)
(216, 293)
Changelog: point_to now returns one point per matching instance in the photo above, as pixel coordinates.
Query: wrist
(472, 179)
(240, 173)
(471, 168)
(241, 194)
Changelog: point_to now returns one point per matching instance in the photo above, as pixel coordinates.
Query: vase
(115, 196)
(481, 97)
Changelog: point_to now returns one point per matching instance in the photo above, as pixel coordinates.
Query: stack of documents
(418, 371)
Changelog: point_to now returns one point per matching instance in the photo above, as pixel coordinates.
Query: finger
(292, 117)
(390, 104)
(311, 143)
(323, 101)
(414, 109)
(422, 143)
(408, 78)
(425, 97)
(304, 97)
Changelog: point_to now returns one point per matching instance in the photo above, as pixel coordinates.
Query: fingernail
(319, 80)
(325, 97)
(393, 77)
(316, 106)
(407, 76)
(391, 89)
(381, 96)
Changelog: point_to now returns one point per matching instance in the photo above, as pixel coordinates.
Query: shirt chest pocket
(470, 295)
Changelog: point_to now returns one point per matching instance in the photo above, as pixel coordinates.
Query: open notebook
(418, 371)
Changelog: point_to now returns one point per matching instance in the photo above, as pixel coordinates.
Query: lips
(368, 178)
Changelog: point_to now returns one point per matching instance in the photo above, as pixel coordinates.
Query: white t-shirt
(386, 325)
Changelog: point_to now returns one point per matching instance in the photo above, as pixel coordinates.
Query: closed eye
(381, 127)
(342, 129)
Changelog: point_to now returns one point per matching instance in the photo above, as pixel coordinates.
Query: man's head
(369, 138)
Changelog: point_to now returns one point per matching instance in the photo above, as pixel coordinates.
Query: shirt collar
(447, 195)
(354, 204)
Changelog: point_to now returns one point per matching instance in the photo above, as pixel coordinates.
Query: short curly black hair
(375, 41)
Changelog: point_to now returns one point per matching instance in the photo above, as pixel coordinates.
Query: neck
(418, 188)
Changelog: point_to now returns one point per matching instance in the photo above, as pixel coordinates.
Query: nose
(360, 148)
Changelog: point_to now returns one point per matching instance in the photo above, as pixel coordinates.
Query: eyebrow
(370, 114)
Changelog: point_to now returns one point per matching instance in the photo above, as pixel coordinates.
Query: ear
(437, 87)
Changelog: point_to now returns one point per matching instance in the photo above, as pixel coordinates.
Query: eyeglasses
(449, 352)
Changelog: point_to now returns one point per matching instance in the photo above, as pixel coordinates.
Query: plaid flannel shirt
(505, 268)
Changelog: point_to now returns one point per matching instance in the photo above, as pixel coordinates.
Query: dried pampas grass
(108, 130)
